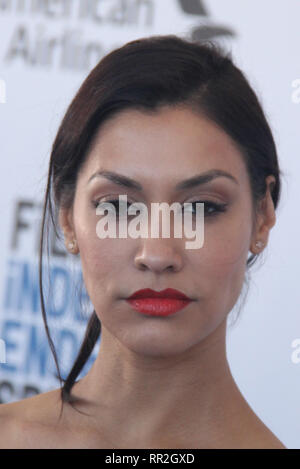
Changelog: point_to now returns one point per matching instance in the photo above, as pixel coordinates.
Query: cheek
(227, 239)
(100, 258)
(220, 264)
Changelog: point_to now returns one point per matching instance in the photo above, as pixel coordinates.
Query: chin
(158, 345)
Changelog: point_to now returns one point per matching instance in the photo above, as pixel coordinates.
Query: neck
(147, 398)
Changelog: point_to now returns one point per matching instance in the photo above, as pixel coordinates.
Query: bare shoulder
(266, 439)
(248, 430)
(256, 435)
(26, 423)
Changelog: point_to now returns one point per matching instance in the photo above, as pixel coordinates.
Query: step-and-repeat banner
(47, 48)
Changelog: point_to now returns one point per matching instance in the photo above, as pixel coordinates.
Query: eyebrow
(194, 181)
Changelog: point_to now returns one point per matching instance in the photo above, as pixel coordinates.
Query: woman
(160, 119)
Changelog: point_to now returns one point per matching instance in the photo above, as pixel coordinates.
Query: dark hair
(146, 74)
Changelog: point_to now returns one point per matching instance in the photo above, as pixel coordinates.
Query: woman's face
(159, 151)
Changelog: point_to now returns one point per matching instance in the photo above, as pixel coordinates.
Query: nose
(158, 255)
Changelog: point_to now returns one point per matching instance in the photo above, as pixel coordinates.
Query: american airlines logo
(207, 30)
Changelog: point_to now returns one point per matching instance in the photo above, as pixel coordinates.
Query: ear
(266, 217)
(65, 218)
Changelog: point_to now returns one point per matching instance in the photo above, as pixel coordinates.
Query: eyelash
(218, 207)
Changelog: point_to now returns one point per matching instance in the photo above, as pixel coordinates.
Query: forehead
(172, 142)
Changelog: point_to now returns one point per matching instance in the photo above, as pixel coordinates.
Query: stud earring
(72, 245)
(259, 244)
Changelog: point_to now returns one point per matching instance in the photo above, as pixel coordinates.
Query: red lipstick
(162, 303)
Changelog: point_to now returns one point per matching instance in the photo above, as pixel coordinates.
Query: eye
(210, 208)
(115, 202)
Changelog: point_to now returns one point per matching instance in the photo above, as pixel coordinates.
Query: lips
(167, 293)
(162, 303)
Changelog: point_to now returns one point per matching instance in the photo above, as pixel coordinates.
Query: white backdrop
(46, 50)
